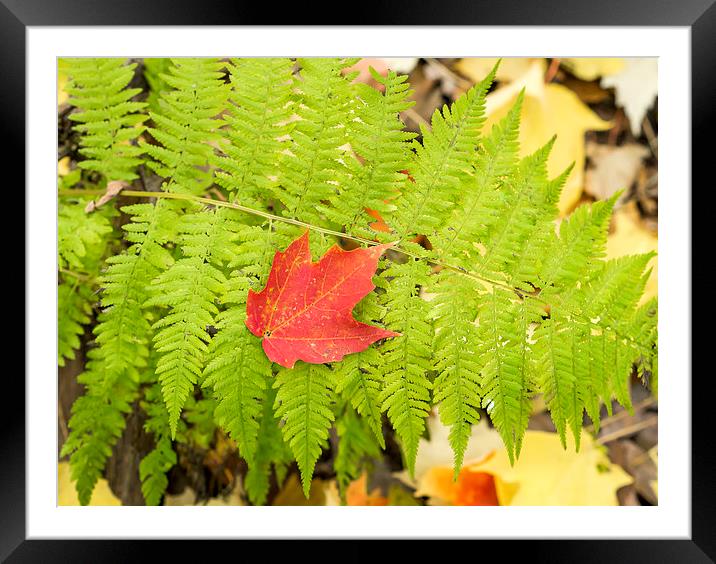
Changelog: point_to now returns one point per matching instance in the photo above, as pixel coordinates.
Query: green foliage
(499, 307)
(356, 443)
(257, 121)
(238, 373)
(185, 124)
(309, 172)
(107, 116)
(377, 138)
(304, 398)
(74, 310)
(154, 466)
(405, 361)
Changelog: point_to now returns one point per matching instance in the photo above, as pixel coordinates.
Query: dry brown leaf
(614, 168)
(292, 493)
(113, 188)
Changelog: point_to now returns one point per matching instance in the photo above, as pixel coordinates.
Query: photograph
(357, 281)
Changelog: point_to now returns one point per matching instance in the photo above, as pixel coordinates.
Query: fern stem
(77, 275)
(272, 217)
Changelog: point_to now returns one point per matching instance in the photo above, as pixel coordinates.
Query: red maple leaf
(305, 310)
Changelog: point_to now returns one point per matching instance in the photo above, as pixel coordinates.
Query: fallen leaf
(62, 79)
(653, 454)
(511, 68)
(113, 188)
(67, 495)
(63, 166)
(549, 109)
(630, 236)
(547, 474)
(401, 65)
(591, 68)
(544, 474)
(292, 493)
(357, 493)
(636, 87)
(614, 168)
(305, 310)
(437, 452)
(472, 487)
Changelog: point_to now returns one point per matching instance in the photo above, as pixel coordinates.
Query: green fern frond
(360, 384)
(96, 423)
(186, 123)
(457, 385)
(483, 194)
(238, 373)
(80, 234)
(312, 167)
(190, 288)
(507, 371)
(303, 401)
(579, 247)
(154, 466)
(376, 174)
(556, 375)
(271, 451)
(154, 68)
(258, 122)
(406, 359)
(74, 308)
(643, 326)
(153, 470)
(108, 119)
(356, 443)
(442, 163)
(358, 380)
(524, 193)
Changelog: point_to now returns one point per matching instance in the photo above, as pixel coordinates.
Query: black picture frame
(698, 15)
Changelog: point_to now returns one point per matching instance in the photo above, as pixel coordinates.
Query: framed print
(401, 279)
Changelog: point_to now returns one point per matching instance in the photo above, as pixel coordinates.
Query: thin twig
(462, 82)
(416, 117)
(551, 71)
(651, 136)
(648, 402)
(75, 274)
(629, 430)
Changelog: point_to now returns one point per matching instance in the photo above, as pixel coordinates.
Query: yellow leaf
(631, 237)
(549, 109)
(437, 452)
(591, 68)
(511, 68)
(546, 474)
(67, 495)
(63, 166)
